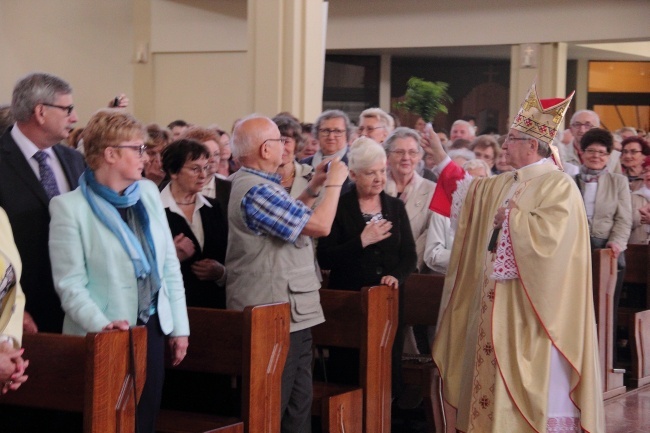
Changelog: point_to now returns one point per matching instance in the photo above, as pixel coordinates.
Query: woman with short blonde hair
(114, 262)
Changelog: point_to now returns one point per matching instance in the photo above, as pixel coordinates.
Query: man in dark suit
(33, 169)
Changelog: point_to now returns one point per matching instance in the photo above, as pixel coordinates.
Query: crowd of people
(128, 224)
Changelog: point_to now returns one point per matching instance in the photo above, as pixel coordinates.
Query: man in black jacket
(33, 169)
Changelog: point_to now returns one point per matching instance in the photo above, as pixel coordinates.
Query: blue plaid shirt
(269, 210)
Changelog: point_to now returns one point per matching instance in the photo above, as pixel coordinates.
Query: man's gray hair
(627, 129)
(463, 153)
(332, 114)
(364, 152)
(384, 118)
(465, 123)
(402, 132)
(590, 112)
(477, 163)
(33, 89)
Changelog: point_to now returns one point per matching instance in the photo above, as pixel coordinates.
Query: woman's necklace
(291, 176)
(182, 203)
(372, 211)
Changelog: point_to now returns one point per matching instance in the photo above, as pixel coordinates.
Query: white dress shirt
(196, 225)
(28, 148)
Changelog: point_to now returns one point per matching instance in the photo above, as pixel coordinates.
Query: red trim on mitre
(548, 103)
(553, 102)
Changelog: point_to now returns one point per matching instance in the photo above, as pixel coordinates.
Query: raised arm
(449, 175)
(320, 222)
(439, 154)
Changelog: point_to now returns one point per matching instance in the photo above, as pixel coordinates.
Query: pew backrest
(640, 374)
(366, 320)
(90, 374)
(422, 296)
(253, 344)
(636, 264)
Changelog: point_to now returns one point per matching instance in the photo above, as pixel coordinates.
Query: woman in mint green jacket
(113, 258)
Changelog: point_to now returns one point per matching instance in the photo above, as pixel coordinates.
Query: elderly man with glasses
(270, 255)
(34, 167)
(571, 152)
(581, 122)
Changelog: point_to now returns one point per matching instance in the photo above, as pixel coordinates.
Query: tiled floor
(629, 413)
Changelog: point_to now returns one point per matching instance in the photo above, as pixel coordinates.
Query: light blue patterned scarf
(104, 201)
(135, 236)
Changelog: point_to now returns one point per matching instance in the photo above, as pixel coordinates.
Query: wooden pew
(640, 371)
(604, 283)
(90, 374)
(637, 260)
(253, 344)
(422, 296)
(366, 320)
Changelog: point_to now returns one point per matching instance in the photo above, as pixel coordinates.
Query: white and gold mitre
(540, 118)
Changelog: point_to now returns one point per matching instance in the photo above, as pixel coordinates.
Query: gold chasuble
(495, 340)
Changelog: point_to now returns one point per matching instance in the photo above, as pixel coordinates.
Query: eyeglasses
(197, 169)
(578, 125)
(511, 138)
(334, 132)
(281, 140)
(594, 152)
(401, 152)
(68, 108)
(370, 129)
(631, 152)
(140, 149)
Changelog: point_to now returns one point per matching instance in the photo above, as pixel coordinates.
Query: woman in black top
(198, 224)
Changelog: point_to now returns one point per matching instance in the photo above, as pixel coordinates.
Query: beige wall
(197, 66)
(440, 23)
(198, 25)
(202, 88)
(88, 43)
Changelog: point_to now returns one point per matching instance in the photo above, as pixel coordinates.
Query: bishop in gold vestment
(517, 348)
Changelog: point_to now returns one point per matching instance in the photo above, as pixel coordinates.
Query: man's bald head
(257, 143)
(249, 133)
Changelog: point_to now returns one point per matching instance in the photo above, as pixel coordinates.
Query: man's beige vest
(264, 269)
